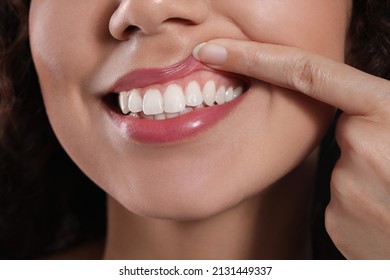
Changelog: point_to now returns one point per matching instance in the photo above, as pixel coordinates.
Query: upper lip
(145, 77)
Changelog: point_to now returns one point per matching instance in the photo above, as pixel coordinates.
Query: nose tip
(150, 16)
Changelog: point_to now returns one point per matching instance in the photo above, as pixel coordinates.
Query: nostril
(147, 17)
(182, 21)
(131, 29)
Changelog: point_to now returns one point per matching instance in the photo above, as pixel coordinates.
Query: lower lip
(173, 130)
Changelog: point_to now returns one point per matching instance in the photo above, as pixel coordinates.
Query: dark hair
(44, 198)
(46, 203)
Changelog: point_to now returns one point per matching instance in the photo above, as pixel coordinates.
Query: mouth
(178, 98)
(159, 105)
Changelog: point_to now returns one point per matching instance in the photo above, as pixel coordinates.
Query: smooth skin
(358, 216)
(81, 48)
(243, 188)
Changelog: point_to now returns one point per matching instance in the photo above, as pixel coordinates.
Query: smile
(176, 100)
(165, 105)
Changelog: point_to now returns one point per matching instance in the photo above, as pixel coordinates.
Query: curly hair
(370, 37)
(43, 194)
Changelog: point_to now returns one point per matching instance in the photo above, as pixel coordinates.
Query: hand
(358, 215)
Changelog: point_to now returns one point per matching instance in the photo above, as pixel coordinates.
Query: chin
(175, 201)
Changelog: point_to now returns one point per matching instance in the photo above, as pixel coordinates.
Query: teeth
(229, 94)
(153, 102)
(160, 117)
(135, 101)
(146, 117)
(123, 101)
(171, 116)
(193, 94)
(186, 110)
(220, 96)
(237, 92)
(209, 91)
(174, 101)
(135, 115)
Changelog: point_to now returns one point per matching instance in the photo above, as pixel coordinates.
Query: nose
(152, 16)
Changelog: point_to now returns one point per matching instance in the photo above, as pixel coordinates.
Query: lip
(145, 77)
(173, 130)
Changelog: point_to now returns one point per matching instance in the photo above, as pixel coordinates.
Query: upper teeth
(176, 100)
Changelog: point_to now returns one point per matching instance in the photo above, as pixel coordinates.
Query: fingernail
(210, 53)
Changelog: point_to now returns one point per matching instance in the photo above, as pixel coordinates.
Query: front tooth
(123, 102)
(174, 101)
(220, 96)
(193, 94)
(209, 91)
(229, 94)
(153, 102)
(135, 101)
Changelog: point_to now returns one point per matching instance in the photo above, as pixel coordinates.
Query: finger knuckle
(378, 101)
(342, 132)
(305, 75)
(337, 235)
(331, 222)
(339, 182)
(377, 108)
(364, 140)
(337, 177)
(348, 135)
(336, 226)
(343, 185)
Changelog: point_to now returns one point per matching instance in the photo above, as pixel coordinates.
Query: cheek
(66, 49)
(64, 38)
(319, 26)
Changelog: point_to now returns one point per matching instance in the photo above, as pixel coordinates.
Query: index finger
(337, 84)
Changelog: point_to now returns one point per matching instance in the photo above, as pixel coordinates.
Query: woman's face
(196, 164)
